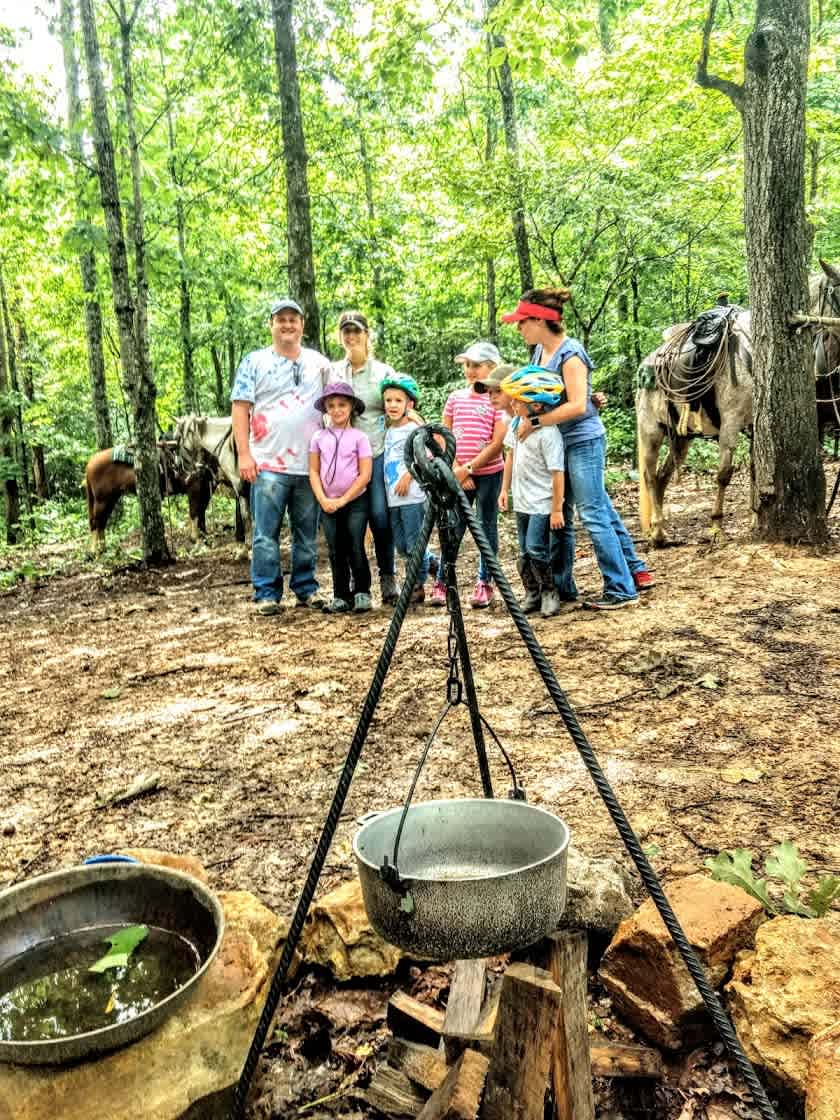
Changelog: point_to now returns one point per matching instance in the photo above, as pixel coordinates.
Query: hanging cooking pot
(472, 877)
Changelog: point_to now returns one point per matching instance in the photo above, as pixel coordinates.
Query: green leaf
(735, 866)
(123, 943)
(784, 863)
(111, 693)
(823, 895)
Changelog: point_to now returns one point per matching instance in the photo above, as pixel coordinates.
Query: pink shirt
(341, 450)
(472, 419)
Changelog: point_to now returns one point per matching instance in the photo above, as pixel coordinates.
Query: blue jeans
(379, 518)
(406, 523)
(614, 551)
(532, 530)
(271, 495)
(345, 533)
(485, 499)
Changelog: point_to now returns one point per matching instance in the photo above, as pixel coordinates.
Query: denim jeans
(345, 533)
(614, 551)
(485, 499)
(532, 530)
(271, 495)
(379, 518)
(406, 523)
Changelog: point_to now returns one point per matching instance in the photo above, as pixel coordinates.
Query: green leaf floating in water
(123, 943)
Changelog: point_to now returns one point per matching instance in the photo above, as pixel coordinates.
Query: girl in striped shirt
(479, 431)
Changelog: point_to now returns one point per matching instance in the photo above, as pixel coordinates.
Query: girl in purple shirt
(340, 462)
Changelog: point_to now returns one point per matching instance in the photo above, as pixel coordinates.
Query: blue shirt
(580, 428)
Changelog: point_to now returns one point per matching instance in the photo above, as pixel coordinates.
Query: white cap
(480, 352)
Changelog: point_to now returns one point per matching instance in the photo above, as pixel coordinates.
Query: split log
(613, 1059)
(459, 1095)
(463, 1008)
(410, 1019)
(529, 1014)
(422, 1064)
(571, 1070)
(392, 1093)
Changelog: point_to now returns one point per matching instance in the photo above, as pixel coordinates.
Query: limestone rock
(822, 1085)
(189, 865)
(338, 935)
(597, 893)
(645, 974)
(196, 1052)
(784, 993)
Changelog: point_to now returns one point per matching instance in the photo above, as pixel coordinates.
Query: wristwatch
(535, 421)
(468, 467)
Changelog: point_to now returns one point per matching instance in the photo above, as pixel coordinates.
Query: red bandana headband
(532, 311)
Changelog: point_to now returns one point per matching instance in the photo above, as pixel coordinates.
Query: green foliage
(786, 867)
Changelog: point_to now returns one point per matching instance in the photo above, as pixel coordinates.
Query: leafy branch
(784, 865)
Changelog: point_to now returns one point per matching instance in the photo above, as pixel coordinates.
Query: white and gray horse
(679, 403)
(198, 438)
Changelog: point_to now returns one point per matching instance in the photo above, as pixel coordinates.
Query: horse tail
(90, 496)
(644, 493)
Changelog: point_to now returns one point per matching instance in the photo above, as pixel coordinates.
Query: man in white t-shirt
(274, 417)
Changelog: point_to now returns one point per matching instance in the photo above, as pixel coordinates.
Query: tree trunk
(378, 302)
(8, 465)
(134, 355)
(20, 448)
(39, 468)
(219, 394)
(87, 260)
(504, 81)
(789, 487)
(298, 221)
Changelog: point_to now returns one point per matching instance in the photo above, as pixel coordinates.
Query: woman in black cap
(360, 369)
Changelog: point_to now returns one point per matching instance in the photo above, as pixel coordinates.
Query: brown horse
(106, 480)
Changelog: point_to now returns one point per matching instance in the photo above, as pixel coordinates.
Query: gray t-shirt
(365, 382)
(534, 460)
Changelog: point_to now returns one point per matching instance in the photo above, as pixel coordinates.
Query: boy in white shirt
(534, 472)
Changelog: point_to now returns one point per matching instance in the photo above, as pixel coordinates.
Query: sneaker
(608, 603)
(267, 606)
(531, 602)
(550, 603)
(643, 580)
(482, 595)
(418, 595)
(388, 590)
(362, 602)
(438, 598)
(337, 606)
(314, 602)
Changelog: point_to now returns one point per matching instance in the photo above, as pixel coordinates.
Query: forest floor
(712, 707)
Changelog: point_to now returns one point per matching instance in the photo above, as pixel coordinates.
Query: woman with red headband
(539, 317)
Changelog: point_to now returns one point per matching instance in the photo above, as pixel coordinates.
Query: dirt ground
(712, 707)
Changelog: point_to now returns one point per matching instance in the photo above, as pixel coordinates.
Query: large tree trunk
(8, 465)
(298, 221)
(789, 488)
(27, 382)
(788, 482)
(87, 260)
(134, 356)
(504, 80)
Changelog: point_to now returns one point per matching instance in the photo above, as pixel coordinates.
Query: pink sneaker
(482, 595)
(438, 596)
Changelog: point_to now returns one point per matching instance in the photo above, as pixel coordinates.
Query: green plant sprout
(734, 866)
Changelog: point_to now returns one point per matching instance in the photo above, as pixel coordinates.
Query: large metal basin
(480, 876)
(107, 894)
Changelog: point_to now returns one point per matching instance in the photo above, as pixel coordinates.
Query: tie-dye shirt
(282, 393)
